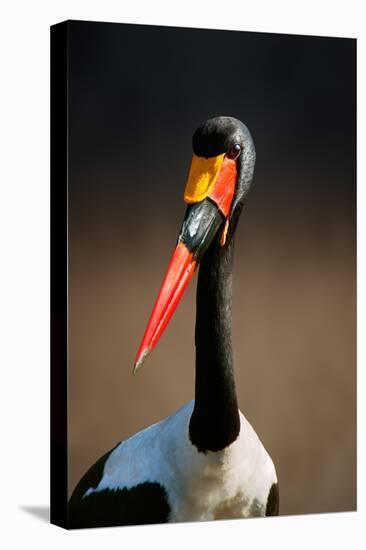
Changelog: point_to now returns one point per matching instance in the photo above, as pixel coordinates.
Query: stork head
(219, 178)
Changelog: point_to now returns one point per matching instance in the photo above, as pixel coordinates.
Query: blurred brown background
(136, 95)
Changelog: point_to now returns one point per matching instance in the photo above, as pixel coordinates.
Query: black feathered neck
(215, 421)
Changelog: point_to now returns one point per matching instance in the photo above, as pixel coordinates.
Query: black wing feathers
(146, 503)
(273, 502)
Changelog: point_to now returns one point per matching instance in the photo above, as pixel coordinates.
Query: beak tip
(141, 360)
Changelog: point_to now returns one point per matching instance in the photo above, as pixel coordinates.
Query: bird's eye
(234, 151)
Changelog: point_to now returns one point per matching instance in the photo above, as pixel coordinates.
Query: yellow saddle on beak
(202, 177)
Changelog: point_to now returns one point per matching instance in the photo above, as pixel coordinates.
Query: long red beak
(200, 225)
(177, 277)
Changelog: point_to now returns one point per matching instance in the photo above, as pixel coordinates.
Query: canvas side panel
(59, 271)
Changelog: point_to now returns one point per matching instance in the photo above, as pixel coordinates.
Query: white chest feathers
(231, 483)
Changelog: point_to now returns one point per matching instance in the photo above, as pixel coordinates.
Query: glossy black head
(224, 134)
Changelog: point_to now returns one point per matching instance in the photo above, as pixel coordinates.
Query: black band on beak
(200, 225)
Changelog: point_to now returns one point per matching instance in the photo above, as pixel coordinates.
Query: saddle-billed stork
(204, 462)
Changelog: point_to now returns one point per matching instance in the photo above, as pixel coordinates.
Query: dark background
(136, 94)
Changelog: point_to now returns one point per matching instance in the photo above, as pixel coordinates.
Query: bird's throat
(215, 421)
